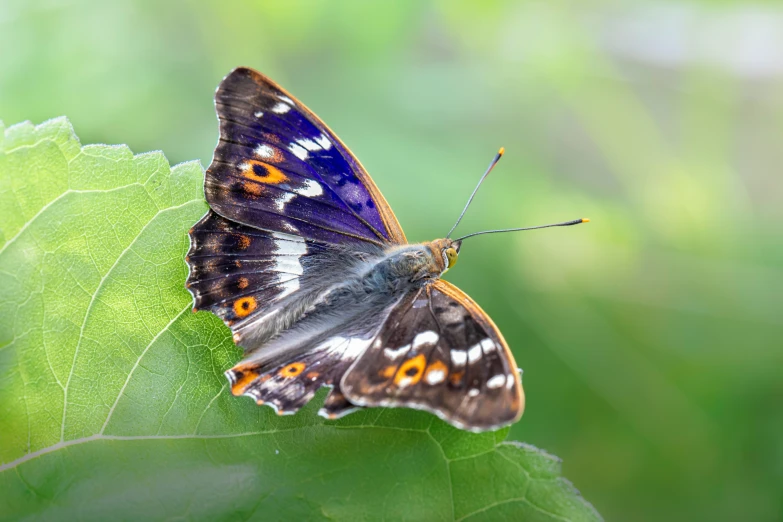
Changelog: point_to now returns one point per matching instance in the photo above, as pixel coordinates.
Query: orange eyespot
(263, 172)
(292, 370)
(243, 380)
(410, 371)
(244, 306)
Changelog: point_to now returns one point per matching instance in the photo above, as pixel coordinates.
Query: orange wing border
(483, 318)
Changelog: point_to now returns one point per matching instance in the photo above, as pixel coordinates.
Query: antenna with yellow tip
(494, 162)
(497, 157)
(563, 224)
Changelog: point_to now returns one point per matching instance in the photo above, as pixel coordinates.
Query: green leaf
(113, 403)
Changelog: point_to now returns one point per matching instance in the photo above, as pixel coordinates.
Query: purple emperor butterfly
(303, 259)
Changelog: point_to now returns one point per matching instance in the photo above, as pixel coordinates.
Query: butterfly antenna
(489, 169)
(563, 224)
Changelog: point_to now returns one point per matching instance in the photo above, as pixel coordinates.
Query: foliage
(112, 395)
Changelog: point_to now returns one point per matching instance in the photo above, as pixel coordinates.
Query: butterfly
(302, 257)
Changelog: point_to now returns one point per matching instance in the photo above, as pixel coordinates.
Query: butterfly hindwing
(288, 370)
(278, 167)
(288, 384)
(438, 351)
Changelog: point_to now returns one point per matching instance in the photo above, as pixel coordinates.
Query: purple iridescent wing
(278, 167)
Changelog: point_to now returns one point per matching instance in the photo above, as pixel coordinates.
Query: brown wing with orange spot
(239, 272)
(439, 352)
(289, 383)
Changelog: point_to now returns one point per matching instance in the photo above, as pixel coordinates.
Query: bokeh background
(652, 338)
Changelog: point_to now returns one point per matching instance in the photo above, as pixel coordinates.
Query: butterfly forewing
(438, 351)
(281, 186)
(278, 167)
(240, 272)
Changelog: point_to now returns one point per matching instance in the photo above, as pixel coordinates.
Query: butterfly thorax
(404, 267)
(393, 271)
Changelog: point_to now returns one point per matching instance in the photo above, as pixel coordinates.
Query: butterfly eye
(451, 256)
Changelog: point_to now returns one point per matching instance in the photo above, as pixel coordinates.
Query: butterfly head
(445, 253)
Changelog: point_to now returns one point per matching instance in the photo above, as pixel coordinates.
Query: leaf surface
(113, 403)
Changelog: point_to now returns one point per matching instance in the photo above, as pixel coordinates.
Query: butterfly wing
(239, 272)
(290, 368)
(282, 188)
(279, 168)
(288, 384)
(439, 352)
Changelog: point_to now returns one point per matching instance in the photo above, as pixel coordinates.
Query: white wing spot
(283, 200)
(264, 151)
(346, 347)
(258, 114)
(459, 357)
(288, 264)
(324, 141)
(487, 345)
(510, 381)
(427, 338)
(311, 189)
(298, 151)
(396, 354)
(435, 376)
(281, 108)
(309, 144)
(473, 392)
(291, 249)
(496, 382)
(285, 99)
(474, 354)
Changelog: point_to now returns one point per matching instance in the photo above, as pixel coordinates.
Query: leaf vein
(92, 301)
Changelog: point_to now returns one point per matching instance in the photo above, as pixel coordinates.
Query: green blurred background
(651, 338)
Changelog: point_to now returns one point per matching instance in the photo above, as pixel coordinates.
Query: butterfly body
(303, 259)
